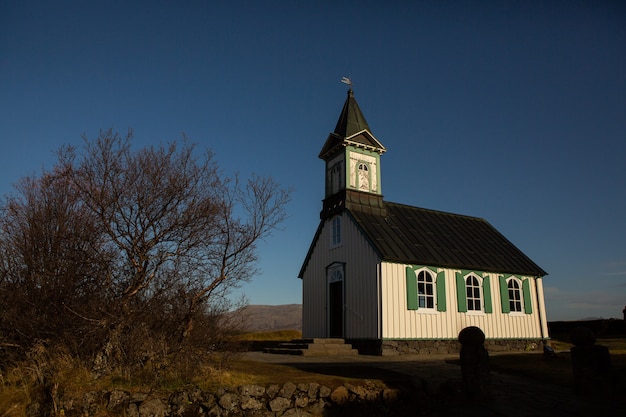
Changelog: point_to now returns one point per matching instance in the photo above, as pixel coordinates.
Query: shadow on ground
(428, 387)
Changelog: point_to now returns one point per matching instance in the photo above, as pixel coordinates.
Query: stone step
(317, 340)
(314, 347)
(284, 351)
(330, 352)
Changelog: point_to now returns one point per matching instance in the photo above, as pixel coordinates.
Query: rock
(252, 390)
(390, 395)
(359, 391)
(317, 409)
(91, 403)
(279, 404)
(117, 398)
(301, 402)
(340, 395)
(190, 410)
(259, 413)
(313, 389)
(296, 412)
(153, 408)
(324, 391)
(216, 411)
(132, 410)
(197, 396)
(250, 403)
(137, 397)
(207, 401)
(288, 400)
(288, 389)
(272, 390)
(229, 401)
(179, 398)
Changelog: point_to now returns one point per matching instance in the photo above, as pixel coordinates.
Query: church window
(336, 178)
(515, 296)
(425, 290)
(336, 234)
(473, 293)
(364, 176)
(336, 275)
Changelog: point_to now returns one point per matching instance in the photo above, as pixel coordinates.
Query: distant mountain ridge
(268, 318)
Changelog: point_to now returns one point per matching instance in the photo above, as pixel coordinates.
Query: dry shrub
(46, 375)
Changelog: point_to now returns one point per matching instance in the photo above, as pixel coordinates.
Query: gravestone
(475, 375)
(591, 363)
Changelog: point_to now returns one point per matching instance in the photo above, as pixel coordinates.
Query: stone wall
(429, 347)
(286, 400)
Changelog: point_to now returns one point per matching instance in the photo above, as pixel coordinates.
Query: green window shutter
(411, 289)
(441, 291)
(528, 306)
(460, 293)
(487, 294)
(504, 295)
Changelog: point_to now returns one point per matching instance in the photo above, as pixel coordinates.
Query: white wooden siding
(400, 323)
(360, 283)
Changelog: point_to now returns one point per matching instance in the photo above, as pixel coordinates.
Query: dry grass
(276, 335)
(30, 380)
(250, 372)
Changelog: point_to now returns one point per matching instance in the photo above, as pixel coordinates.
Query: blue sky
(513, 111)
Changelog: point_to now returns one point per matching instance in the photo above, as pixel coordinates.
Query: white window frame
(433, 277)
(473, 299)
(519, 303)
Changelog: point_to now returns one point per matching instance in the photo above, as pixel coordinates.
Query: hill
(267, 318)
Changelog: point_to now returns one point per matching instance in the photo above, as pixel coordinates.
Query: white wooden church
(392, 278)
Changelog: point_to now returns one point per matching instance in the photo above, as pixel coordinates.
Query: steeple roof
(351, 129)
(351, 120)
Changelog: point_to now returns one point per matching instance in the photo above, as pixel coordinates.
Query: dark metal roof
(351, 129)
(415, 235)
(351, 119)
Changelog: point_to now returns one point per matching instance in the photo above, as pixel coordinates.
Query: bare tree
(175, 225)
(126, 255)
(52, 262)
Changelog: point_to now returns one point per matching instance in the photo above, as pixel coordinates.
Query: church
(390, 278)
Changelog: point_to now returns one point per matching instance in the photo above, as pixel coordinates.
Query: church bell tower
(352, 156)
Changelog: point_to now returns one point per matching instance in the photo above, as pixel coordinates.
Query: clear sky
(513, 111)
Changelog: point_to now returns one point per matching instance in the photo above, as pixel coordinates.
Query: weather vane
(347, 80)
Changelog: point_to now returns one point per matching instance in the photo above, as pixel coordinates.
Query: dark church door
(335, 301)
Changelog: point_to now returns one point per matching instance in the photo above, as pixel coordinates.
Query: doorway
(335, 303)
